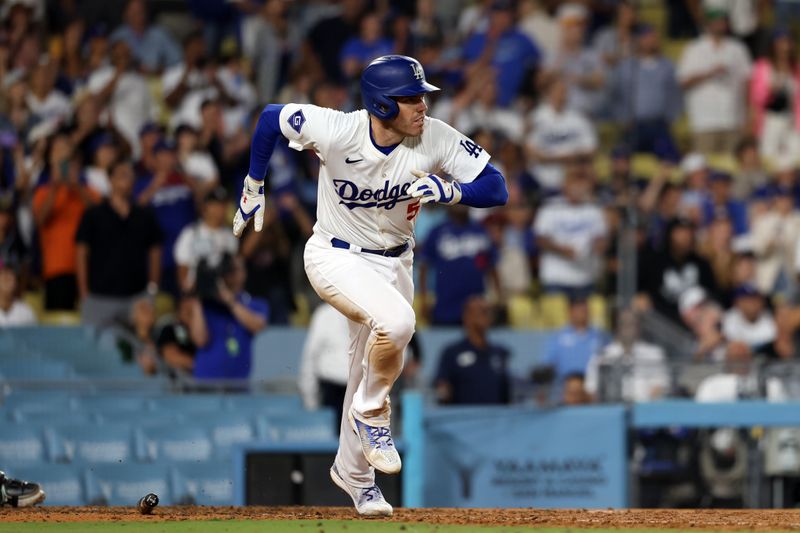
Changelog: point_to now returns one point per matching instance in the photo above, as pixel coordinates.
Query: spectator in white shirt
(195, 162)
(714, 72)
(637, 369)
(738, 381)
(44, 101)
(775, 235)
(324, 363)
(539, 26)
(475, 108)
(239, 89)
(559, 136)
(104, 154)
(572, 235)
(13, 311)
(189, 83)
(749, 321)
(207, 241)
(120, 87)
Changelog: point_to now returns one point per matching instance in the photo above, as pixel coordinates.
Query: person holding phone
(58, 207)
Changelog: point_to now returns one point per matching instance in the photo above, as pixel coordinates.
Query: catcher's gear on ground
(251, 205)
(18, 493)
(432, 188)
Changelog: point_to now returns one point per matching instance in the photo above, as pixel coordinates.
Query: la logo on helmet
(418, 72)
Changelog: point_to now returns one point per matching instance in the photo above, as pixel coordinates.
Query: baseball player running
(378, 165)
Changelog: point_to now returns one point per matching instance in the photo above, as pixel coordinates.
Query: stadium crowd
(125, 130)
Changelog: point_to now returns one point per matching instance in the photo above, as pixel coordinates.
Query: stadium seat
(124, 484)
(314, 426)
(63, 484)
(205, 483)
(51, 418)
(139, 418)
(228, 429)
(264, 403)
(94, 443)
(34, 369)
(53, 339)
(176, 443)
(21, 444)
(553, 310)
(521, 312)
(187, 403)
(301, 316)
(276, 355)
(36, 300)
(30, 401)
(60, 318)
(723, 162)
(119, 403)
(11, 347)
(645, 165)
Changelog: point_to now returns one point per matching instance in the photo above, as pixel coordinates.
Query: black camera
(207, 277)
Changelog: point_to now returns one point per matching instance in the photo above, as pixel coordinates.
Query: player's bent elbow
(499, 192)
(501, 198)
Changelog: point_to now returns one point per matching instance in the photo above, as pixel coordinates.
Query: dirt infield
(751, 520)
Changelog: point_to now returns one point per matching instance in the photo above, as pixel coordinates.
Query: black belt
(391, 252)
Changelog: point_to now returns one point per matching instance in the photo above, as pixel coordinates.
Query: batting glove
(432, 188)
(250, 206)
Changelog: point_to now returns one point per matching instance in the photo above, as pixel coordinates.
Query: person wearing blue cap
(504, 48)
(172, 196)
(720, 203)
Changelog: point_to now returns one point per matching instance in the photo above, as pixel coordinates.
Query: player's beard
(412, 128)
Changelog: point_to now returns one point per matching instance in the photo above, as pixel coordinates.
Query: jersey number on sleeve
(413, 210)
(472, 149)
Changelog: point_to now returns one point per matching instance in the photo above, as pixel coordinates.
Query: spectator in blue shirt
(472, 370)
(152, 46)
(225, 330)
(370, 44)
(461, 254)
(503, 48)
(569, 349)
(721, 204)
(171, 195)
(646, 97)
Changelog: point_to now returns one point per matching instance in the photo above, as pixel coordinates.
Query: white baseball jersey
(363, 193)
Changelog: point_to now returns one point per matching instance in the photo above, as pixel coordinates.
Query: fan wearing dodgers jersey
(377, 167)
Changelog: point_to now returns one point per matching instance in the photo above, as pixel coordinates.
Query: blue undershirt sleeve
(488, 189)
(266, 135)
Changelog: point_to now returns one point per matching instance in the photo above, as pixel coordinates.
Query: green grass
(295, 526)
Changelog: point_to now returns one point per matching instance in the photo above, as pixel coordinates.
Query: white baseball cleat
(369, 501)
(377, 445)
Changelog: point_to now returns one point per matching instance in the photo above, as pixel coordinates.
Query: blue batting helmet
(389, 76)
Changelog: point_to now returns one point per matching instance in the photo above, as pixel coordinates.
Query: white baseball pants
(375, 293)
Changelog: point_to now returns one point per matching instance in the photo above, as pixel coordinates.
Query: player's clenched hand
(250, 206)
(432, 188)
